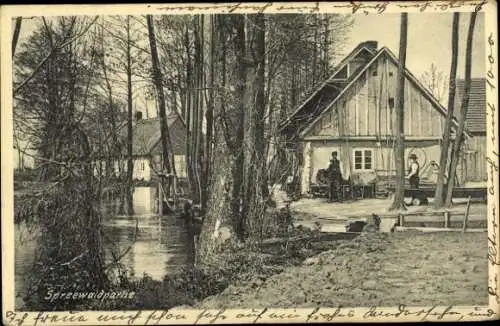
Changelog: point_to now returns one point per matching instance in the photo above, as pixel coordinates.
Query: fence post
(466, 216)
(446, 219)
(160, 198)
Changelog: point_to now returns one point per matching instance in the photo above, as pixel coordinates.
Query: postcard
(219, 163)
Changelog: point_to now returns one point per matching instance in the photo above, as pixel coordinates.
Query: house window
(142, 166)
(363, 159)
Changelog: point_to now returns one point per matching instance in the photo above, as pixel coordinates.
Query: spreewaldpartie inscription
(250, 163)
(52, 296)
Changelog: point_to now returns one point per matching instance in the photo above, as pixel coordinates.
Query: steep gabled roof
(304, 117)
(325, 93)
(476, 114)
(146, 134)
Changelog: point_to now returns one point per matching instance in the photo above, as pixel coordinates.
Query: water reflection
(149, 244)
(144, 243)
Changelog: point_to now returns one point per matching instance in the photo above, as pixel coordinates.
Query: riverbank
(248, 264)
(375, 269)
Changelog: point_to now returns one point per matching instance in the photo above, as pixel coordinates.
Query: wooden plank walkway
(430, 229)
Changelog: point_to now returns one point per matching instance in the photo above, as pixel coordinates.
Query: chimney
(372, 45)
(138, 116)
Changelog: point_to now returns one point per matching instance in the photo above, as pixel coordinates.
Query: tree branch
(51, 53)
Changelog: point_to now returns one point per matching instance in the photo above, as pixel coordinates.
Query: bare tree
(158, 81)
(459, 135)
(260, 101)
(15, 36)
(443, 160)
(238, 168)
(209, 116)
(435, 80)
(399, 150)
(130, 161)
(60, 125)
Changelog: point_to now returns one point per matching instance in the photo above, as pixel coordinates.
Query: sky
(429, 39)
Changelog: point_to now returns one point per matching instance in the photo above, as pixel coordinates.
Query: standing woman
(413, 173)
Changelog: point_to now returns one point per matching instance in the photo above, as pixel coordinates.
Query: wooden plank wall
(368, 99)
(478, 168)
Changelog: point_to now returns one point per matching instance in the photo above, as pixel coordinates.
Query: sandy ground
(333, 217)
(375, 269)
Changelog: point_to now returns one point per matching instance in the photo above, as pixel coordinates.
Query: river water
(149, 244)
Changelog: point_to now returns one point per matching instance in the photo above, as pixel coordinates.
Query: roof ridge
(328, 80)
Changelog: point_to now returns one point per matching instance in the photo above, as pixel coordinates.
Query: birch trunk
(158, 81)
(459, 137)
(443, 161)
(399, 150)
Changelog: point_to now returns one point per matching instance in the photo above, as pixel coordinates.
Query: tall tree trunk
(201, 107)
(188, 114)
(399, 150)
(315, 51)
(260, 101)
(158, 81)
(197, 117)
(209, 115)
(238, 151)
(443, 161)
(256, 184)
(115, 150)
(459, 135)
(53, 119)
(326, 44)
(219, 201)
(15, 36)
(130, 162)
(194, 113)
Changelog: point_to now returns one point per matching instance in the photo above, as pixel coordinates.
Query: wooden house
(353, 113)
(475, 169)
(146, 146)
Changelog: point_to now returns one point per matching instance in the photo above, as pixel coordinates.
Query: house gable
(177, 132)
(146, 136)
(358, 57)
(365, 107)
(329, 90)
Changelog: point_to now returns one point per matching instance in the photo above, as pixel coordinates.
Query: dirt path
(376, 269)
